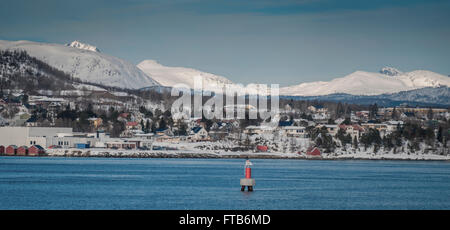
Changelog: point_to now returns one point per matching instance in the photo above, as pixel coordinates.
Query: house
(355, 131)
(392, 126)
(317, 109)
(124, 115)
(323, 116)
(285, 123)
(32, 122)
(295, 131)
(218, 134)
(332, 129)
(131, 128)
(313, 151)
(364, 114)
(252, 130)
(11, 150)
(163, 132)
(262, 148)
(2, 149)
(382, 128)
(36, 150)
(198, 134)
(133, 125)
(22, 151)
(121, 145)
(82, 145)
(95, 121)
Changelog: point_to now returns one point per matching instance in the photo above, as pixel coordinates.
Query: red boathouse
(262, 148)
(11, 150)
(22, 151)
(36, 150)
(313, 152)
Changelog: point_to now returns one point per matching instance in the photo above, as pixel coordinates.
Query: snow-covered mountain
(87, 65)
(429, 96)
(83, 46)
(170, 76)
(389, 80)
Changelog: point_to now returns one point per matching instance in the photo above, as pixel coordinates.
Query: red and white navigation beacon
(248, 180)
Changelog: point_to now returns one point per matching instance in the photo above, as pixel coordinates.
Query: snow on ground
(99, 152)
(219, 150)
(86, 87)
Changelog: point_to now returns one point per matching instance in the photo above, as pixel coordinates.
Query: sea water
(121, 183)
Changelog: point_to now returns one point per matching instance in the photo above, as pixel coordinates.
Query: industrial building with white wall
(63, 137)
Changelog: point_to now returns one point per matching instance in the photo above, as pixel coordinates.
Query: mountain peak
(390, 71)
(83, 46)
(149, 62)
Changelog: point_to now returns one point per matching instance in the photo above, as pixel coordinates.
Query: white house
(198, 134)
(253, 129)
(295, 131)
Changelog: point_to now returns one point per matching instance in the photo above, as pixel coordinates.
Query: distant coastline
(236, 155)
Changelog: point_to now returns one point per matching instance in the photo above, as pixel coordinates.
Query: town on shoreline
(114, 124)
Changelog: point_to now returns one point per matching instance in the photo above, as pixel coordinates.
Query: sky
(286, 41)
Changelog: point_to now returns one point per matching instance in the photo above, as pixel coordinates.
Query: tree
(372, 136)
(355, 142)
(373, 110)
(440, 134)
(118, 128)
(430, 114)
(162, 123)
(343, 137)
(142, 126)
(147, 126)
(340, 111)
(394, 115)
(347, 121)
(24, 100)
(153, 127)
(182, 129)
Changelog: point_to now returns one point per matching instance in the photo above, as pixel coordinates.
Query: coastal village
(117, 124)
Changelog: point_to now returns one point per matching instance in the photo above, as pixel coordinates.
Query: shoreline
(102, 153)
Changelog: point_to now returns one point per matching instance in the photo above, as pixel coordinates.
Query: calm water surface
(107, 183)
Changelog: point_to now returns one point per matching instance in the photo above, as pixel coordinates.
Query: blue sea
(119, 183)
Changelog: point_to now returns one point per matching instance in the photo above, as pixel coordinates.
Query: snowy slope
(368, 83)
(170, 76)
(90, 66)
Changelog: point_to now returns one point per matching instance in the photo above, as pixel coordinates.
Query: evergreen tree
(430, 114)
(440, 134)
(355, 142)
(147, 126)
(394, 115)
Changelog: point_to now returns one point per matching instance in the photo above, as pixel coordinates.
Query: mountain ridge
(369, 83)
(171, 76)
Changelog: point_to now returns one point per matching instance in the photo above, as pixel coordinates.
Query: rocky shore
(237, 155)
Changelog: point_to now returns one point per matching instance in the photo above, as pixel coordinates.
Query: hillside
(20, 71)
(84, 64)
(171, 76)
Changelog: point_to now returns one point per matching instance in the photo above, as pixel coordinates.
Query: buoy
(248, 180)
